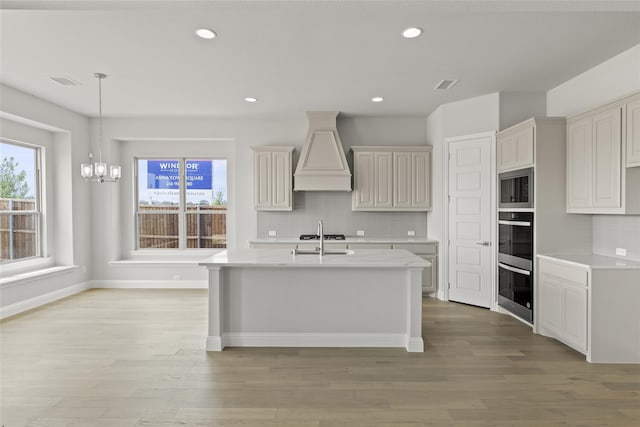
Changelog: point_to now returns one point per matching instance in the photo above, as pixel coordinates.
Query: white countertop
(593, 261)
(350, 239)
(363, 258)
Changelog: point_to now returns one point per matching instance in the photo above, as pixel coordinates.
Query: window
(20, 210)
(181, 210)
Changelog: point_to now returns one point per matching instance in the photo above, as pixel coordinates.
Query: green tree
(219, 201)
(13, 184)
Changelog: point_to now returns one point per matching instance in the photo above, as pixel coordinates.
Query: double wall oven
(515, 244)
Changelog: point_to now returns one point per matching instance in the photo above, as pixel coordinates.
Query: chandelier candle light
(98, 171)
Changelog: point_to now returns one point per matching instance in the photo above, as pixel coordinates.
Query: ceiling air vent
(65, 81)
(445, 84)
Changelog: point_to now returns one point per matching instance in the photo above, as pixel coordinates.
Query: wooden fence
(206, 226)
(18, 237)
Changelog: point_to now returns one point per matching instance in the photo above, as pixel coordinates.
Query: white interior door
(470, 215)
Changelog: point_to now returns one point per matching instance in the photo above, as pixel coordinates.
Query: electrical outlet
(621, 252)
(411, 233)
(360, 233)
(84, 268)
(177, 277)
(272, 233)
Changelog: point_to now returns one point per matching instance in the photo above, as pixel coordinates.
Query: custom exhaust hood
(322, 165)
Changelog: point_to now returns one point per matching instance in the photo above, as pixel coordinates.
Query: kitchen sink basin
(317, 252)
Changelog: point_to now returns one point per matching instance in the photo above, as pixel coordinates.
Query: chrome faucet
(321, 237)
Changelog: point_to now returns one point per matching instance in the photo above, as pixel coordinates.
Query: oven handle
(523, 223)
(514, 269)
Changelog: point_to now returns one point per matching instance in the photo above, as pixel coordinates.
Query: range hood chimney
(322, 165)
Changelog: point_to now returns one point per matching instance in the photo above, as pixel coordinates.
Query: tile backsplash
(334, 209)
(617, 231)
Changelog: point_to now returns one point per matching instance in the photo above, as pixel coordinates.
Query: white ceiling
(296, 56)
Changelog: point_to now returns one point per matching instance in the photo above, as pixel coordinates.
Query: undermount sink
(317, 252)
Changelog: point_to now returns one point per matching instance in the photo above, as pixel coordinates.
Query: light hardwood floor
(136, 358)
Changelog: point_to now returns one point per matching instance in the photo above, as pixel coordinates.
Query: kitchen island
(273, 298)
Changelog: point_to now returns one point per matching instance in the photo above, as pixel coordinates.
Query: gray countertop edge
(349, 239)
(364, 258)
(592, 261)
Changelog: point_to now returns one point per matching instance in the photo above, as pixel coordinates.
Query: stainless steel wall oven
(515, 263)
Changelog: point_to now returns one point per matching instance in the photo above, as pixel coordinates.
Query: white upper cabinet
(600, 149)
(272, 178)
(633, 133)
(606, 159)
(392, 178)
(515, 149)
(579, 164)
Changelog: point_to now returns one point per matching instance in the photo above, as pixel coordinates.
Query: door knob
(483, 243)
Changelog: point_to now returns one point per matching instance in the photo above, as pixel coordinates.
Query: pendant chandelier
(98, 171)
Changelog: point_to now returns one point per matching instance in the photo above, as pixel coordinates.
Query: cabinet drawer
(572, 274)
(369, 246)
(418, 248)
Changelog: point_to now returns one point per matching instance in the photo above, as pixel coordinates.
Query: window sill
(16, 279)
(167, 258)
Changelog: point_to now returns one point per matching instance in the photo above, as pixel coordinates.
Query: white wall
(605, 82)
(516, 107)
(182, 136)
(475, 115)
(66, 136)
(334, 207)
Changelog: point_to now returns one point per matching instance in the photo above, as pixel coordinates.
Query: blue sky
(26, 162)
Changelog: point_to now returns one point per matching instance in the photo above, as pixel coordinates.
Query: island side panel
(214, 340)
(321, 307)
(614, 316)
(415, 342)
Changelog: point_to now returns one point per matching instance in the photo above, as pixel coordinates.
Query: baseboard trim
(415, 345)
(35, 302)
(269, 339)
(150, 284)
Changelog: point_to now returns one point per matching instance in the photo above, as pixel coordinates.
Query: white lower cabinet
(429, 252)
(563, 294)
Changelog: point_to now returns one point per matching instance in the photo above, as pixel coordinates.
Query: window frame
(182, 211)
(38, 211)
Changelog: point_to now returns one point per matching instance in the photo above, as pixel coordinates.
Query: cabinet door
(515, 151)
(607, 143)
(505, 148)
(574, 316)
(262, 176)
(524, 148)
(579, 164)
(430, 274)
(402, 179)
(383, 180)
(281, 172)
(364, 180)
(421, 180)
(550, 305)
(633, 134)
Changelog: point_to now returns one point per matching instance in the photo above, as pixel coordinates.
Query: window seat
(18, 278)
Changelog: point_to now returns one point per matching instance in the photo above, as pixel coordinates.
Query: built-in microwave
(516, 189)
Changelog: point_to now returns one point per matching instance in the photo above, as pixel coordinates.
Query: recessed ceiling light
(251, 99)
(411, 32)
(205, 33)
(377, 99)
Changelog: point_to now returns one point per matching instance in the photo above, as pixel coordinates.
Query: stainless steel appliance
(516, 189)
(515, 263)
(326, 237)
